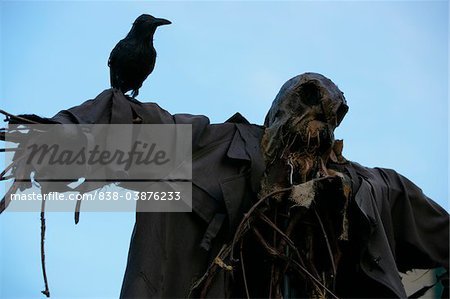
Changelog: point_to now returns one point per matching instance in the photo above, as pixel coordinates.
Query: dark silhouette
(133, 58)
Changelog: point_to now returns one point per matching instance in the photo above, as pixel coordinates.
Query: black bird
(133, 58)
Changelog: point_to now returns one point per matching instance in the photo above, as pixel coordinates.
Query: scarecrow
(278, 212)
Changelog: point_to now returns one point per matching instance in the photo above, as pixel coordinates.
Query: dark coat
(395, 226)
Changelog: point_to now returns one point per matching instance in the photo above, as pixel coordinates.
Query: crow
(133, 58)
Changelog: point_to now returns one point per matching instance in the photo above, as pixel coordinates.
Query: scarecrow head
(303, 117)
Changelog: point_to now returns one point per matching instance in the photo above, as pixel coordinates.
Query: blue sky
(390, 58)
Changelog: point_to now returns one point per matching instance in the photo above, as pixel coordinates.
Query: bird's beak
(159, 22)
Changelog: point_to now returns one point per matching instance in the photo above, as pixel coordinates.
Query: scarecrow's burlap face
(303, 117)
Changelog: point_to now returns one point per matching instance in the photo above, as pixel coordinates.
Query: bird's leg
(134, 93)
